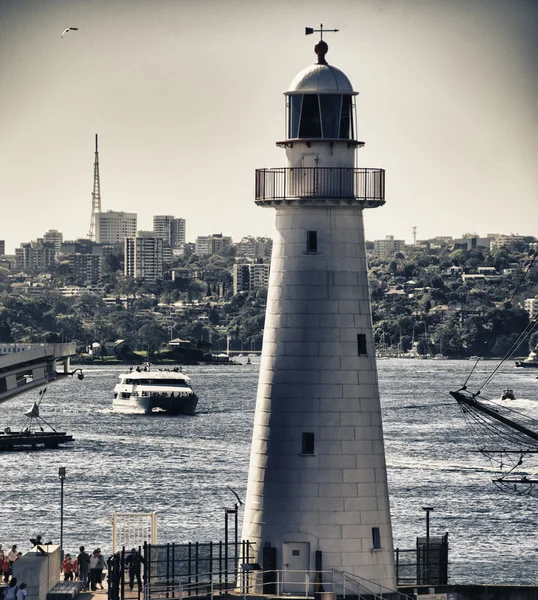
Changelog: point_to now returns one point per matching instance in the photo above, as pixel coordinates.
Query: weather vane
(309, 30)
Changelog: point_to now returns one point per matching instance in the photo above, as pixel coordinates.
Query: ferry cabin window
(311, 241)
(376, 538)
(361, 344)
(308, 443)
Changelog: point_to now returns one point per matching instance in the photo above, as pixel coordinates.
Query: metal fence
(362, 185)
(427, 564)
(162, 570)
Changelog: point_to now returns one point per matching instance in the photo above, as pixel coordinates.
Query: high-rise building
(179, 233)
(250, 277)
(210, 244)
(388, 246)
(170, 229)
(86, 268)
(115, 226)
(2, 247)
(144, 256)
(54, 237)
(37, 254)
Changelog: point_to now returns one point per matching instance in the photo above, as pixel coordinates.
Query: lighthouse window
(311, 241)
(346, 121)
(330, 105)
(376, 538)
(296, 103)
(308, 443)
(361, 343)
(310, 126)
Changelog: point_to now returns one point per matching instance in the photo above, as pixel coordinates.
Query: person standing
(6, 568)
(133, 562)
(21, 594)
(94, 559)
(98, 569)
(10, 593)
(67, 568)
(12, 555)
(83, 562)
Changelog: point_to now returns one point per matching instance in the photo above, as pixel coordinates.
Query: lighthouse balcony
(320, 185)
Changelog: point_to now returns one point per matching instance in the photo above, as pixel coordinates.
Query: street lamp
(428, 510)
(61, 475)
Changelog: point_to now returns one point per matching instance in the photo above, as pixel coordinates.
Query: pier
(25, 367)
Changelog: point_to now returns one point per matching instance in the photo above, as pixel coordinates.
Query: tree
(151, 336)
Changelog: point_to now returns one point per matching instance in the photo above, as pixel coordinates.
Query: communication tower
(96, 197)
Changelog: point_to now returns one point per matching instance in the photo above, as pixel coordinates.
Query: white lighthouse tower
(317, 499)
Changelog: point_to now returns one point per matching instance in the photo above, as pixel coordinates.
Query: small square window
(361, 344)
(295, 553)
(308, 443)
(311, 241)
(376, 538)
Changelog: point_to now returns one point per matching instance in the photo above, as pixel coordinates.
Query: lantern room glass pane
(295, 105)
(330, 105)
(346, 122)
(310, 126)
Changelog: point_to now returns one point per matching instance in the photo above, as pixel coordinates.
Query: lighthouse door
(295, 568)
(310, 175)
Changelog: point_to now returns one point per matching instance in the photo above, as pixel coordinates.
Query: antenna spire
(96, 196)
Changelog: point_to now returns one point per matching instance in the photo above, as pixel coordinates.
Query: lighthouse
(317, 503)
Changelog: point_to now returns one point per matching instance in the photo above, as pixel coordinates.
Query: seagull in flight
(69, 29)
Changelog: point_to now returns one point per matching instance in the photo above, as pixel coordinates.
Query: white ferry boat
(143, 390)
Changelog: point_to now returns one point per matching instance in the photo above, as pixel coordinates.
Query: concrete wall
(40, 572)
(478, 592)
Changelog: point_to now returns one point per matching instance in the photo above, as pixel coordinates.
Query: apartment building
(37, 254)
(86, 268)
(250, 277)
(144, 256)
(210, 244)
(388, 246)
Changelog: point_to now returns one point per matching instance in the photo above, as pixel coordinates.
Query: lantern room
(320, 102)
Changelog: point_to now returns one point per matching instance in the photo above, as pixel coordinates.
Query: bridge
(23, 367)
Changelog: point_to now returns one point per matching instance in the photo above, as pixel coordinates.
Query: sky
(187, 99)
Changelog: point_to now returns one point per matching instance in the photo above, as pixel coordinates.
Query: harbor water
(181, 467)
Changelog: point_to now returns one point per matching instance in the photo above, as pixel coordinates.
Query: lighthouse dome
(321, 79)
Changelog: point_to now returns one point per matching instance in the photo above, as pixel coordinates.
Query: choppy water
(181, 466)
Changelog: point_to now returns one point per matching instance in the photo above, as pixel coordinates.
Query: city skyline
(187, 101)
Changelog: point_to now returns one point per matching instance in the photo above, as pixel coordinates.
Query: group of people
(7, 559)
(85, 568)
(13, 591)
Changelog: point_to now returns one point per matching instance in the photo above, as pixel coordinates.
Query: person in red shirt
(6, 568)
(67, 568)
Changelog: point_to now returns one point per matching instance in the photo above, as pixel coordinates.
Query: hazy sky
(186, 96)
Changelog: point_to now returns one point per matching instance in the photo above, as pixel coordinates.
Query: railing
(306, 583)
(366, 186)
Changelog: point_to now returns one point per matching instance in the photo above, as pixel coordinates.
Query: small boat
(508, 394)
(530, 362)
(144, 391)
(33, 436)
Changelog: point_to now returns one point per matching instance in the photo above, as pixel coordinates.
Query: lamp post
(428, 510)
(61, 475)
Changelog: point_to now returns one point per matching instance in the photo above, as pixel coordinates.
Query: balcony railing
(363, 186)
